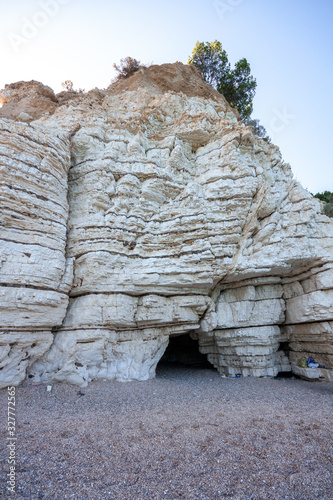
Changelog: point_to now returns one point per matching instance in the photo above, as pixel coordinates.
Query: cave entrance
(183, 352)
(286, 371)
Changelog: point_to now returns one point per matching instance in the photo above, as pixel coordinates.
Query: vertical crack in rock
(173, 218)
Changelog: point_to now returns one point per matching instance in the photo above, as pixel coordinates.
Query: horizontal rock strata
(246, 336)
(309, 314)
(148, 210)
(35, 275)
(129, 337)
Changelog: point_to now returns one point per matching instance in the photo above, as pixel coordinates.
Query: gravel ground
(188, 434)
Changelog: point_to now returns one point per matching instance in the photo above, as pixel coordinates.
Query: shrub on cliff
(68, 85)
(258, 129)
(327, 197)
(126, 68)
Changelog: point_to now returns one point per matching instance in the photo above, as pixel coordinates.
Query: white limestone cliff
(175, 218)
(35, 275)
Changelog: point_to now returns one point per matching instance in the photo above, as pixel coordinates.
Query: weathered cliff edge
(145, 211)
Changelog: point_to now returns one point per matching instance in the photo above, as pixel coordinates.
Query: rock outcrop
(35, 275)
(27, 101)
(149, 210)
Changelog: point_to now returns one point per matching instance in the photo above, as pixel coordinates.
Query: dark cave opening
(183, 351)
(286, 375)
(284, 346)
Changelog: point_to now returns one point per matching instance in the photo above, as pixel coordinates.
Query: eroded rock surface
(35, 275)
(179, 220)
(27, 101)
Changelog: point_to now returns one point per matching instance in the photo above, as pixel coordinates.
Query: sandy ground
(187, 434)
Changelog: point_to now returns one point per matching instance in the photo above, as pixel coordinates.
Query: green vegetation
(237, 85)
(327, 197)
(239, 88)
(212, 62)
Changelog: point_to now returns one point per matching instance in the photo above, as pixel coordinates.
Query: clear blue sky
(289, 44)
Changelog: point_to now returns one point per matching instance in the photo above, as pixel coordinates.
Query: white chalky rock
(246, 351)
(156, 212)
(35, 275)
(81, 356)
(250, 306)
(18, 350)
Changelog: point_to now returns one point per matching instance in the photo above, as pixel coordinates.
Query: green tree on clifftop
(237, 85)
(211, 60)
(239, 88)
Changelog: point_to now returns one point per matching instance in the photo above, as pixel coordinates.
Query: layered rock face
(178, 220)
(247, 336)
(35, 276)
